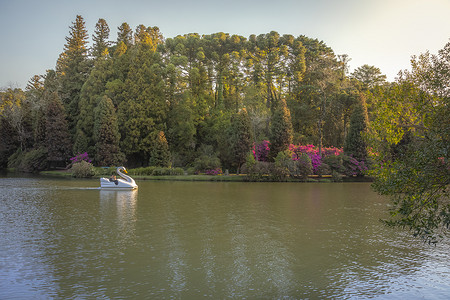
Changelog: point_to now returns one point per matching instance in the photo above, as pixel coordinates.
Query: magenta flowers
(80, 157)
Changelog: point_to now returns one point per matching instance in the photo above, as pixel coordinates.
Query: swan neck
(126, 177)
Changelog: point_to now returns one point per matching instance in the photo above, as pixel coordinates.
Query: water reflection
(123, 204)
(195, 240)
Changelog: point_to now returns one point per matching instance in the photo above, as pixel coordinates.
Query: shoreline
(213, 178)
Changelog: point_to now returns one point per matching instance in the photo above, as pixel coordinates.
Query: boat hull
(119, 184)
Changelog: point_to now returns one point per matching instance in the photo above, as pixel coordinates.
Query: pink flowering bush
(313, 153)
(81, 157)
(261, 151)
(353, 167)
(214, 172)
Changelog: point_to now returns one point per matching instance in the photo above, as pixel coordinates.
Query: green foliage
(100, 38)
(410, 141)
(73, 68)
(57, 134)
(207, 160)
(280, 130)
(241, 137)
(106, 134)
(369, 76)
(160, 155)
(355, 144)
(34, 161)
(156, 171)
(335, 163)
(82, 169)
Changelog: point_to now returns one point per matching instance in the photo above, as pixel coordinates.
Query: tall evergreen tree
(125, 35)
(57, 134)
(160, 155)
(101, 44)
(241, 137)
(280, 129)
(106, 134)
(73, 69)
(91, 93)
(355, 145)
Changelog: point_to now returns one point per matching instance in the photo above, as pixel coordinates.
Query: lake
(65, 239)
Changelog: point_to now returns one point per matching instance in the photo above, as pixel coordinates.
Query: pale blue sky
(383, 33)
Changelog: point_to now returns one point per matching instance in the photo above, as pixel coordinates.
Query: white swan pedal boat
(124, 183)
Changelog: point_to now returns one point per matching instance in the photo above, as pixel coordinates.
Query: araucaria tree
(280, 129)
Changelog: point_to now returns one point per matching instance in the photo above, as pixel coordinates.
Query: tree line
(192, 95)
(206, 100)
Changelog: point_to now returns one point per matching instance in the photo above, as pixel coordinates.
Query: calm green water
(66, 239)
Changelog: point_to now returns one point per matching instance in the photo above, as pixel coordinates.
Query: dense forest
(270, 104)
(196, 96)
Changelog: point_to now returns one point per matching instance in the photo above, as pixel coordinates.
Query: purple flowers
(261, 151)
(80, 157)
(216, 171)
(313, 153)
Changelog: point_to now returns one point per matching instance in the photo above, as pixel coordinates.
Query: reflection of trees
(124, 205)
(89, 233)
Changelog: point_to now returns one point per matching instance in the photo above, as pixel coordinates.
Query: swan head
(122, 169)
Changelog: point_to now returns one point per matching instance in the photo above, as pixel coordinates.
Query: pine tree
(280, 129)
(73, 69)
(355, 144)
(160, 155)
(100, 38)
(91, 94)
(125, 35)
(106, 134)
(57, 134)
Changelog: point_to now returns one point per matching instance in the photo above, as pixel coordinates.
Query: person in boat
(113, 179)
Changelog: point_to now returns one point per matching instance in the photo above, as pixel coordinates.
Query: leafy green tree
(16, 110)
(411, 139)
(355, 144)
(57, 134)
(181, 132)
(106, 134)
(311, 103)
(280, 130)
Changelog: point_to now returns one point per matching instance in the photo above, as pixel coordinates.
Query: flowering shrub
(81, 157)
(353, 167)
(216, 171)
(313, 154)
(261, 151)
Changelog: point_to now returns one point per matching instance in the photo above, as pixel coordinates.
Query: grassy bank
(219, 178)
